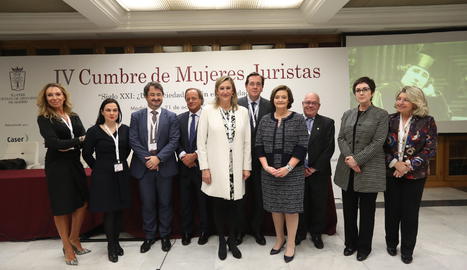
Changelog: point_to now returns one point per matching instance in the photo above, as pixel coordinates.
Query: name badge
(152, 147)
(118, 167)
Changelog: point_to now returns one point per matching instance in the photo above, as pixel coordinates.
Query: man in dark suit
(154, 136)
(190, 175)
(257, 108)
(317, 171)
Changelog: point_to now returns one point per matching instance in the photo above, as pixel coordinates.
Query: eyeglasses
(309, 103)
(362, 90)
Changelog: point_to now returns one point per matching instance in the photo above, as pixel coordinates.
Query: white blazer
(213, 151)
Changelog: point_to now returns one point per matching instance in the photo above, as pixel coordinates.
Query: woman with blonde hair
(63, 135)
(224, 154)
(410, 144)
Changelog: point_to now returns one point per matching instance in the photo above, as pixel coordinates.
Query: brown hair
(281, 88)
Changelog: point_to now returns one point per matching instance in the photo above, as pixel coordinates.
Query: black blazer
(264, 108)
(321, 144)
(184, 138)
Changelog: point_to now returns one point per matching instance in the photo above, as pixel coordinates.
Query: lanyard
(115, 139)
(67, 122)
(403, 133)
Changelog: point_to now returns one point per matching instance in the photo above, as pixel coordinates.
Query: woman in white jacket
(224, 154)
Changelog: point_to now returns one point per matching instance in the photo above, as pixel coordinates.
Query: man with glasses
(257, 108)
(154, 135)
(317, 171)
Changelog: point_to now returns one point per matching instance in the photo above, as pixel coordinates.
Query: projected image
(439, 69)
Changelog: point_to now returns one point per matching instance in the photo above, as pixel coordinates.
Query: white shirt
(198, 115)
(250, 109)
(150, 124)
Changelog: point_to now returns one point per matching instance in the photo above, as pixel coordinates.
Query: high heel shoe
(276, 251)
(288, 259)
(70, 262)
(80, 252)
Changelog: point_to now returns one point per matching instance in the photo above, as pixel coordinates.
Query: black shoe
(276, 251)
(222, 253)
(407, 259)
(288, 259)
(203, 238)
(361, 256)
(259, 239)
(165, 244)
(119, 250)
(111, 253)
(392, 251)
(147, 245)
(349, 251)
(235, 251)
(316, 239)
(186, 239)
(239, 238)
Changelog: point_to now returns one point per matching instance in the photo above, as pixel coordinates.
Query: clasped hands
(281, 172)
(189, 160)
(152, 162)
(401, 169)
(350, 161)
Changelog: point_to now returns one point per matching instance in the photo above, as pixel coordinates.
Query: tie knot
(193, 115)
(154, 112)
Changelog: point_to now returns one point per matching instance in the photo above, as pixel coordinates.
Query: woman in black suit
(63, 135)
(110, 189)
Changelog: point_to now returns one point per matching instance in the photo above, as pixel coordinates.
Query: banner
(92, 78)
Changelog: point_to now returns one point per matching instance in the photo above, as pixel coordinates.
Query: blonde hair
(234, 99)
(44, 107)
(415, 96)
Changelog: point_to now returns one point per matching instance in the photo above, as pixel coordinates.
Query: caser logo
(25, 138)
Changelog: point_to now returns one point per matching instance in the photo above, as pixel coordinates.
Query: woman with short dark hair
(360, 170)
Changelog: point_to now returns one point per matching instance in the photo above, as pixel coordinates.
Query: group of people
(239, 157)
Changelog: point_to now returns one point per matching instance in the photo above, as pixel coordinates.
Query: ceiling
(99, 19)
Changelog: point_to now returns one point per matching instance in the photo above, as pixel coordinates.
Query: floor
(442, 244)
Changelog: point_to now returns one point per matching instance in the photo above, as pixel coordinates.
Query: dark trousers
(190, 190)
(225, 213)
(358, 237)
(401, 206)
(313, 218)
(252, 204)
(112, 227)
(156, 198)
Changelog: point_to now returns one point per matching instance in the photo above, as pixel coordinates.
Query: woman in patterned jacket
(410, 144)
